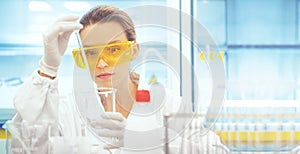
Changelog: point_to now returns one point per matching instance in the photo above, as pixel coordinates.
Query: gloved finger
(69, 17)
(117, 143)
(110, 146)
(60, 28)
(109, 133)
(113, 116)
(108, 124)
(65, 37)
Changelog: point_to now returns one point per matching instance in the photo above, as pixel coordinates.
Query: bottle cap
(142, 96)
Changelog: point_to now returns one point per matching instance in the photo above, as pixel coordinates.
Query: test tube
(114, 100)
(109, 91)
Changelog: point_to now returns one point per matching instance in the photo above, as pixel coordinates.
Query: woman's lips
(104, 75)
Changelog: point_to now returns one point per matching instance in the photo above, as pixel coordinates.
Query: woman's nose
(101, 63)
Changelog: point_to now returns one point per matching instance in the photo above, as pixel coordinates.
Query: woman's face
(101, 34)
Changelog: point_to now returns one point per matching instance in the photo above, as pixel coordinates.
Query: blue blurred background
(260, 39)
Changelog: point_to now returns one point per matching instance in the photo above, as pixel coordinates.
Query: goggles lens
(113, 54)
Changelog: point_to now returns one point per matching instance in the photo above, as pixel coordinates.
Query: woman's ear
(136, 51)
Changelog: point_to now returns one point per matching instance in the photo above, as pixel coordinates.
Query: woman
(103, 28)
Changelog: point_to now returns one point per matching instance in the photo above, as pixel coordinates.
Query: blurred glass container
(65, 144)
(43, 137)
(26, 137)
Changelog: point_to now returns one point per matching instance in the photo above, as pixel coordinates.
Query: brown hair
(104, 13)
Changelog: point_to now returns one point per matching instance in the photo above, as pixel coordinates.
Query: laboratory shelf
(258, 125)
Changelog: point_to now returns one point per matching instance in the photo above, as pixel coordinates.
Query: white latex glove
(56, 39)
(111, 125)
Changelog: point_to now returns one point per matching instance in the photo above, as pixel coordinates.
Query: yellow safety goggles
(113, 54)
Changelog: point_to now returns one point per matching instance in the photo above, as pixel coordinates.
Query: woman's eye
(90, 52)
(114, 49)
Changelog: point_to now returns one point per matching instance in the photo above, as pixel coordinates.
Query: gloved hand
(112, 125)
(56, 39)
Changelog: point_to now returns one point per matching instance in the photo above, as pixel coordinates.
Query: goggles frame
(113, 54)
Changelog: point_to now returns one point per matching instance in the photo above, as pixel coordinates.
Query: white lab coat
(38, 100)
